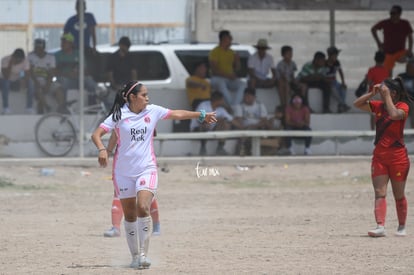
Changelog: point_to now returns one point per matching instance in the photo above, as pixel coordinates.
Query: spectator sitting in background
(42, 71)
(408, 80)
(197, 87)
(260, 64)
(297, 117)
(396, 32)
(67, 63)
(287, 82)
(313, 75)
(224, 121)
(339, 89)
(375, 75)
(15, 73)
(120, 67)
(250, 115)
(224, 63)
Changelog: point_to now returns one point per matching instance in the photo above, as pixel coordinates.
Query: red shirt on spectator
(395, 34)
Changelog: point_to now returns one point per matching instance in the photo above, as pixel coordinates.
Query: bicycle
(57, 133)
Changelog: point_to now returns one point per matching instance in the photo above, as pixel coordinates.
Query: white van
(163, 68)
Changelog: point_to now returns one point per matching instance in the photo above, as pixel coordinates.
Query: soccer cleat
(144, 262)
(113, 232)
(401, 231)
(377, 232)
(156, 230)
(135, 262)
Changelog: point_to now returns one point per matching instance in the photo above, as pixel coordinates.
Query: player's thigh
(148, 181)
(125, 186)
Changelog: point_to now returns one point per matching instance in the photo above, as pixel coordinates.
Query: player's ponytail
(402, 91)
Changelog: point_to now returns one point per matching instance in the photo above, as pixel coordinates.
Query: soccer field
(302, 216)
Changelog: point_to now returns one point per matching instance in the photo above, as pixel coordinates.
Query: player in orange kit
(390, 160)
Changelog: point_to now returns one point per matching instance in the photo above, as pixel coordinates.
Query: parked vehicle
(163, 68)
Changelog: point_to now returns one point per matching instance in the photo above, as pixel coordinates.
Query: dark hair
(285, 49)
(198, 64)
(18, 53)
(224, 33)
(319, 55)
(124, 40)
(396, 84)
(216, 96)
(250, 91)
(379, 57)
(397, 8)
(40, 42)
(122, 96)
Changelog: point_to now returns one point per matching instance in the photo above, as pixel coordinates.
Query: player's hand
(210, 118)
(103, 158)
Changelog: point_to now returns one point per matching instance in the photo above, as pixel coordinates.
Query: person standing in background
(120, 67)
(72, 26)
(396, 33)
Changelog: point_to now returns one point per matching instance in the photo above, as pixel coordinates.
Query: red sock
(401, 206)
(154, 211)
(117, 213)
(380, 210)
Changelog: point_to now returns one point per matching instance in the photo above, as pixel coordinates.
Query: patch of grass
(5, 182)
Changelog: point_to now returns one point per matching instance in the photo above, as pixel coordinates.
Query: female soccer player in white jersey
(135, 169)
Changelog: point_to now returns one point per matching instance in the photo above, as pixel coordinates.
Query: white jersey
(41, 66)
(135, 151)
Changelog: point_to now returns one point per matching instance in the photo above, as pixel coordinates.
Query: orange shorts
(390, 59)
(393, 162)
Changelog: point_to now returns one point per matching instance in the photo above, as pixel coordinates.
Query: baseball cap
(39, 42)
(68, 37)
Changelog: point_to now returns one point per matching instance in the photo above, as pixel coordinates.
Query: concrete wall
(306, 31)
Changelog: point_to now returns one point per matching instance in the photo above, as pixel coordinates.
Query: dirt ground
(284, 216)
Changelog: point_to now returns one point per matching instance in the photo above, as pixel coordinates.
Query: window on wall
(190, 58)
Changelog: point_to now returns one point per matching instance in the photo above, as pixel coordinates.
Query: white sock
(131, 237)
(144, 231)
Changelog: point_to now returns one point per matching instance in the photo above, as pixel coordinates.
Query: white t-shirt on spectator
(251, 114)
(262, 67)
(17, 70)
